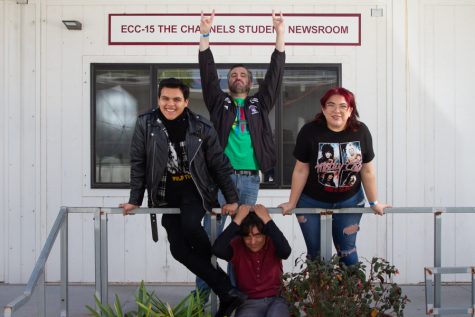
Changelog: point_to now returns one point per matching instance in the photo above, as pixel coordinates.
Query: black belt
(153, 222)
(246, 172)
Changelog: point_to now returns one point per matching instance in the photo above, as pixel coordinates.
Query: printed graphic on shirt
(177, 165)
(338, 165)
(240, 123)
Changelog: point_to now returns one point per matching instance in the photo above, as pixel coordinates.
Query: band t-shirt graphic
(177, 165)
(335, 160)
(338, 164)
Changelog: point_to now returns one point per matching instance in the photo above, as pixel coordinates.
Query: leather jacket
(209, 167)
(257, 107)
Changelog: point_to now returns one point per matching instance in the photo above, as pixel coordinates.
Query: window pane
(121, 94)
(302, 90)
(123, 91)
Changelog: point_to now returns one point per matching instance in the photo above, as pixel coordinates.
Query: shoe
(229, 302)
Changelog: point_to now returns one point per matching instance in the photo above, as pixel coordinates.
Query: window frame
(155, 68)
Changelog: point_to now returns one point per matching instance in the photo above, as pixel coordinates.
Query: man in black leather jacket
(175, 155)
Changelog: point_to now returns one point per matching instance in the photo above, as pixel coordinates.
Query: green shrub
(149, 305)
(332, 289)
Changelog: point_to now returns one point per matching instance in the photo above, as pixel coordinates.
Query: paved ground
(80, 295)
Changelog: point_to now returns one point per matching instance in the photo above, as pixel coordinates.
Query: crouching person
(256, 247)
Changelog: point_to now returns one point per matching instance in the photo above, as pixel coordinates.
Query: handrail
(38, 270)
(101, 244)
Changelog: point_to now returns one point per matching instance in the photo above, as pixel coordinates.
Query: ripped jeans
(344, 227)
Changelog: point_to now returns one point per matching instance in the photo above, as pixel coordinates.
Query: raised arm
(282, 247)
(210, 82)
(205, 27)
(279, 26)
(222, 246)
(269, 88)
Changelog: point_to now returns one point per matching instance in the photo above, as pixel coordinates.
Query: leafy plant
(332, 289)
(149, 305)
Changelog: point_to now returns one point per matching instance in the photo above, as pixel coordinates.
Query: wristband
(205, 35)
(373, 203)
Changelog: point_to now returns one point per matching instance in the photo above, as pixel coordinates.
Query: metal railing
(101, 251)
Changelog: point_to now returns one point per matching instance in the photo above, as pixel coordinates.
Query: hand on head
(262, 213)
(242, 213)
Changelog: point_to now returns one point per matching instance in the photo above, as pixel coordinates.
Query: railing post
(64, 307)
(100, 246)
(437, 255)
(326, 217)
(473, 290)
(213, 299)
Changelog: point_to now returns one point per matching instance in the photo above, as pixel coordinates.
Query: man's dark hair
(174, 83)
(251, 220)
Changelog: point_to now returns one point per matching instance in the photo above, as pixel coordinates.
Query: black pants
(189, 243)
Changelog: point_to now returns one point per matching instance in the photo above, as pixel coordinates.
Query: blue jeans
(344, 227)
(263, 307)
(248, 188)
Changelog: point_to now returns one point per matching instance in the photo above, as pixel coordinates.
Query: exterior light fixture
(72, 24)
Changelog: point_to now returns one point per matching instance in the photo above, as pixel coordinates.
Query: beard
(239, 88)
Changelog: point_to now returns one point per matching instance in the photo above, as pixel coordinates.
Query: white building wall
(411, 76)
(3, 138)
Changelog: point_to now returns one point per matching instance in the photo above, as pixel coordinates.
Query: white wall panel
(3, 138)
(28, 133)
(432, 149)
(88, 268)
(70, 105)
(93, 20)
(13, 144)
(464, 114)
(53, 125)
(110, 50)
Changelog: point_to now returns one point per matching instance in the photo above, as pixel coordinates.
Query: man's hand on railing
(229, 209)
(286, 208)
(128, 208)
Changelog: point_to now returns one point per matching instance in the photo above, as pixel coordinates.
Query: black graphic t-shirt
(335, 160)
(178, 177)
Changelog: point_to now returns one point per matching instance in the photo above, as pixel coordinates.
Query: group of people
(185, 161)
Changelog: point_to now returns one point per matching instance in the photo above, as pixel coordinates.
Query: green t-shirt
(239, 149)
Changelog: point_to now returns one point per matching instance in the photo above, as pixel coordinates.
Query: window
(120, 92)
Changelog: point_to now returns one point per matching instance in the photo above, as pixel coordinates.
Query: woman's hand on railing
(379, 208)
(286, 208)
(128, 208)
